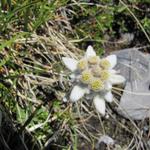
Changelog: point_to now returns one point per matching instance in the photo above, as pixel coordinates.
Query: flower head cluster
(94, 75)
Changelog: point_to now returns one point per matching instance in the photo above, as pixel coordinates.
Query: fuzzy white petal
(70, 63)
(112, 71)
(99, 104)
(90, 52)
(109, 97)
(108, 86)
(73, 76)
(117, 79)
(77, 93)
(112, 59)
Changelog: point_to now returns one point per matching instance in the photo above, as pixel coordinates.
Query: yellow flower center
(105, 63)
(96, 84)
(96, 71)
(82, 64)
(104, 75)
(86, 76)
(94, 60)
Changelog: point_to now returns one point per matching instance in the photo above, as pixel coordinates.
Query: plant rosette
(93, 76)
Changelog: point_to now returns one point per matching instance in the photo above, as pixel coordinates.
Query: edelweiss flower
(93, 76)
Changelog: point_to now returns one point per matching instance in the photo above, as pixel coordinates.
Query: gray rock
(134, 66)
(103, 142)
